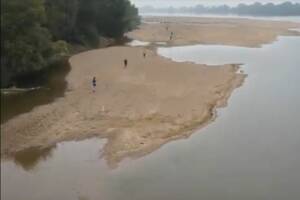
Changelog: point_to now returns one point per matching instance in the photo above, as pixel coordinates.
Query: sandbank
(138, 109)
(205, 30)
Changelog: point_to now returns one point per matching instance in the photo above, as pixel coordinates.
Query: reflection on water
(30, 157)
(295, 29)
(66, 171)
(18, 103)
(137, 43)
(250, 152)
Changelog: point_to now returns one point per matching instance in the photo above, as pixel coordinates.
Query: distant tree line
(35, 33)
(255, 9)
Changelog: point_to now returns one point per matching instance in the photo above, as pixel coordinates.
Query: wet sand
(202, 30)
(138, 109)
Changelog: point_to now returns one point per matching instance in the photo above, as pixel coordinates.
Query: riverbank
(150, 102)
(45, 86)
(39, 78)
(205, 30)
(138, 108)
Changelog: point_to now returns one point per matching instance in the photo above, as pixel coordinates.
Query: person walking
(125, 63)
(171, 36)
(94, 84)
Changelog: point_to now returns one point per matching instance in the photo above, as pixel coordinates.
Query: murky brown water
(250, 152)
(53, 87)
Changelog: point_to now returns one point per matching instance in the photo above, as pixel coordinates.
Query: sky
(180, 3)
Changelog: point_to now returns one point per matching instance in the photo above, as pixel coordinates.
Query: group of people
(171, 34)
(126, 62)
(94, 82)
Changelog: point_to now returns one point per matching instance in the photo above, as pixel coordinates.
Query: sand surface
(138, 108)
(200, 30)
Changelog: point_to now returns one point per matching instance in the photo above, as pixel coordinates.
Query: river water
(251, 151)
(52, 85)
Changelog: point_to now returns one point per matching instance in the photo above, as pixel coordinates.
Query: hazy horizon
(180, 3)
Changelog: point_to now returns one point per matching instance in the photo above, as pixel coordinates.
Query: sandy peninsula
(200, 30)
(138, 108)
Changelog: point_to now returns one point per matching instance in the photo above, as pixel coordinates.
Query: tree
(61, 18)
(35, 33)
(25, 44)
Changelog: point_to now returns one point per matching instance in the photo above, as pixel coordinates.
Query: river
(50, 85)
(251, 151)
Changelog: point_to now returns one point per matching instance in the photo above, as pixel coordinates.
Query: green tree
(116, 17)
(35, 33)
(86, 30)
(61, 18)
(25, 44)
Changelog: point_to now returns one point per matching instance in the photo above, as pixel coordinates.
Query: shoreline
(53, 82)
(133, 131)
(241, 32)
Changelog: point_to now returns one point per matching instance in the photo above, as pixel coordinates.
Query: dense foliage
(35, 33)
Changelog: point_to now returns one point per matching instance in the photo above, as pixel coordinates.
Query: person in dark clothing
(94, 84)
(125, 63)
(171, 36)
(144, 54)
